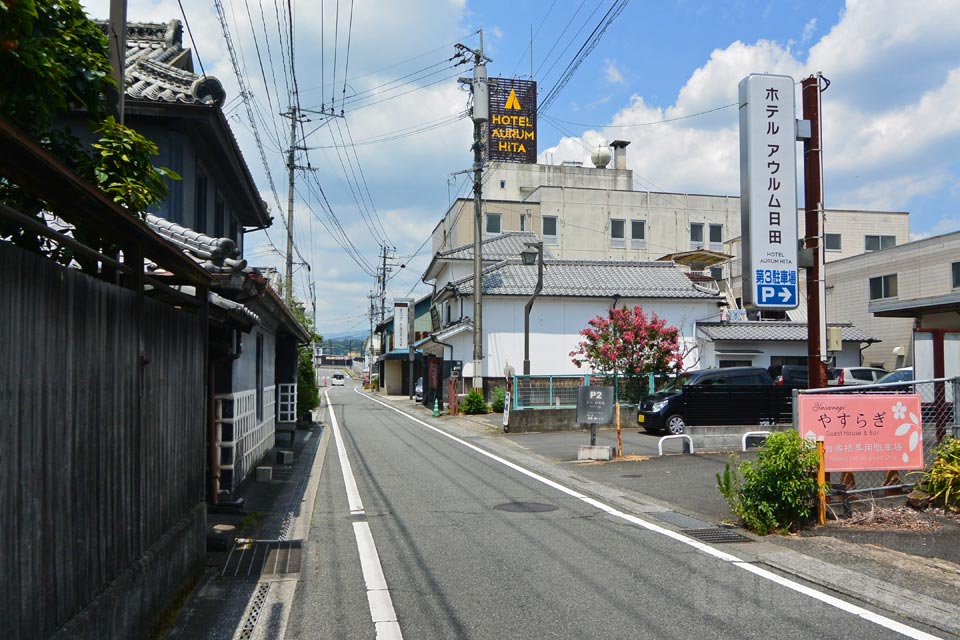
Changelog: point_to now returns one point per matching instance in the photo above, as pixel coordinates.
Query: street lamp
(532, 254)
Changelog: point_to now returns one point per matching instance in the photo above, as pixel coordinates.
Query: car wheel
(675, 424)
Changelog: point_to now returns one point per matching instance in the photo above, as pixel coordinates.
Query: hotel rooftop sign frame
(512, 129)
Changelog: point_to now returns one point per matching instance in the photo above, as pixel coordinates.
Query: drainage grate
(254, 558)
(526, 507)
(716, 535)
(682, 520)
(250, 624)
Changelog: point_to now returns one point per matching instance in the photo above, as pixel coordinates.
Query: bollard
(436, 407)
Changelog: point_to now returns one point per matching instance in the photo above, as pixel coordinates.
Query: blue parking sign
(777, 295)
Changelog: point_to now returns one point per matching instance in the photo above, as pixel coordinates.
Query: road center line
(378, 595)
(734, 561)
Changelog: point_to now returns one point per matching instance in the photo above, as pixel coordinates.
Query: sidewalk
(222, 600)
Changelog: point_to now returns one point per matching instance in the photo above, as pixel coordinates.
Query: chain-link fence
(939, 412)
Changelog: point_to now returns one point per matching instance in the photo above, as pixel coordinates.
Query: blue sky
(891, 123)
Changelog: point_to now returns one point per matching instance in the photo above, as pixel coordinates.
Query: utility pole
(481, 114)
(296, 117)
(813, 212)
(117, 50)
(381, 280)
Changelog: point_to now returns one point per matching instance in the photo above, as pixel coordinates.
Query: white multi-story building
(596, 213)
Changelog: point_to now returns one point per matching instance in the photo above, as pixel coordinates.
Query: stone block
(264, 474)
(594, 452)
(221, 537)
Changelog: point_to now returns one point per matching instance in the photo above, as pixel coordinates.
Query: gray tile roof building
(505, 246)
(762, 331)
(587, 279)
(158, 67)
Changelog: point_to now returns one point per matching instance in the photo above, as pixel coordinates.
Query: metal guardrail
(752, 434)
(688, 439)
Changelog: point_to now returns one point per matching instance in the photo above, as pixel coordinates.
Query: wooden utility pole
(117, 51)
(813, 209)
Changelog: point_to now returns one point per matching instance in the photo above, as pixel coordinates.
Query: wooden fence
(101, 440)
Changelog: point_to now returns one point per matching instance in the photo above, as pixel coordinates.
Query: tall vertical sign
(768, 191)
(401, 323)
(512, 130)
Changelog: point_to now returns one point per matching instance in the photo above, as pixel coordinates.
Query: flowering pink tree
(626, 341)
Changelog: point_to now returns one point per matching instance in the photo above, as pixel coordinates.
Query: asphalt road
(476, 547)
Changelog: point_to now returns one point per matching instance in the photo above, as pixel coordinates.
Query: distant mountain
(350, 335)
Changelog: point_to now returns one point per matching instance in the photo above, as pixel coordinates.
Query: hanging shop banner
(401, 324)
(512, 130)
(768, 191)
(864, 432)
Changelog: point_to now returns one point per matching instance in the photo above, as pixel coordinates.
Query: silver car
(847, 376)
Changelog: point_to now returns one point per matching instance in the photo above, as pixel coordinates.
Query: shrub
(775, 493)
(499, 399)
(942, 481)
(474, 402)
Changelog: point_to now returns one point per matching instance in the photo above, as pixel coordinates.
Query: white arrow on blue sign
(777, 294)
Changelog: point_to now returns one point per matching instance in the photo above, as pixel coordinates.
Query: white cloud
(808, 31)
(611, 72)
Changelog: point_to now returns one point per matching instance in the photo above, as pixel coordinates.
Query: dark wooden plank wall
(86, 484)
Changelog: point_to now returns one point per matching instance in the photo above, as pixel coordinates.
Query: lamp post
(532, 254)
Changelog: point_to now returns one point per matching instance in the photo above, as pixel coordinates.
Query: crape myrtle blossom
(627, 341)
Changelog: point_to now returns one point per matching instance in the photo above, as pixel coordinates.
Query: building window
(955, 269)
(503, 184)
(831, 242)
(883, 287)
(218, 217)
(876, 243)
(549, 230)
(716, 237)
(638, 234)
(618, 230)
(523, 222)
(200, 203)
(716, 273)
(493, 223)
(696, 235)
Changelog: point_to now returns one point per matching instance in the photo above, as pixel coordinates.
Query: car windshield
(675, 384)
(900, 375)
(338, 376)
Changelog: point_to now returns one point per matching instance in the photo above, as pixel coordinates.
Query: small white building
(766, 343)
(574, 291)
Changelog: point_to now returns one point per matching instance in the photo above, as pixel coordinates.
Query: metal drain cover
(253, 558)
(716, 535)
(526, 507)
(632, 475)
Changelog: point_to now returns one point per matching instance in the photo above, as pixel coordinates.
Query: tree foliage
(54, 61)
(628, 342)
(308, 391)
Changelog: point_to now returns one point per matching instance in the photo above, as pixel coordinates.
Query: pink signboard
(864, 432)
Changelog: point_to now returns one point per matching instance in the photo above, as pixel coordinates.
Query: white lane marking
(353, 495)
(306, 438)
(382, 613)
(848, 607)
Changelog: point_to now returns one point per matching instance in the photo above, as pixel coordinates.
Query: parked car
(337, 380)
(790, 375)
(847, 376)
(418, 390)
(904, 374)
(664, 409)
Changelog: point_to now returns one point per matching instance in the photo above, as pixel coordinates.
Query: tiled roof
(588, 279)
(215, 254)
(157, 67)
(505, 246)
(768, 331)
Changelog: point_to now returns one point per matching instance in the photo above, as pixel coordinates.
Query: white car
(337, 380)
(848, 376)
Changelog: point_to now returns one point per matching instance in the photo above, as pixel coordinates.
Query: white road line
(382, 613)
(878, 619)
(353, 495)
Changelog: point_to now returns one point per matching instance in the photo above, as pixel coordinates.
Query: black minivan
(664, 409)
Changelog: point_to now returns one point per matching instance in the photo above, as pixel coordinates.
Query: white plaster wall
(848, 357)
(555, 325)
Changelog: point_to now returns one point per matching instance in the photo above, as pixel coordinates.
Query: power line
(193, 43)
(641, 124)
